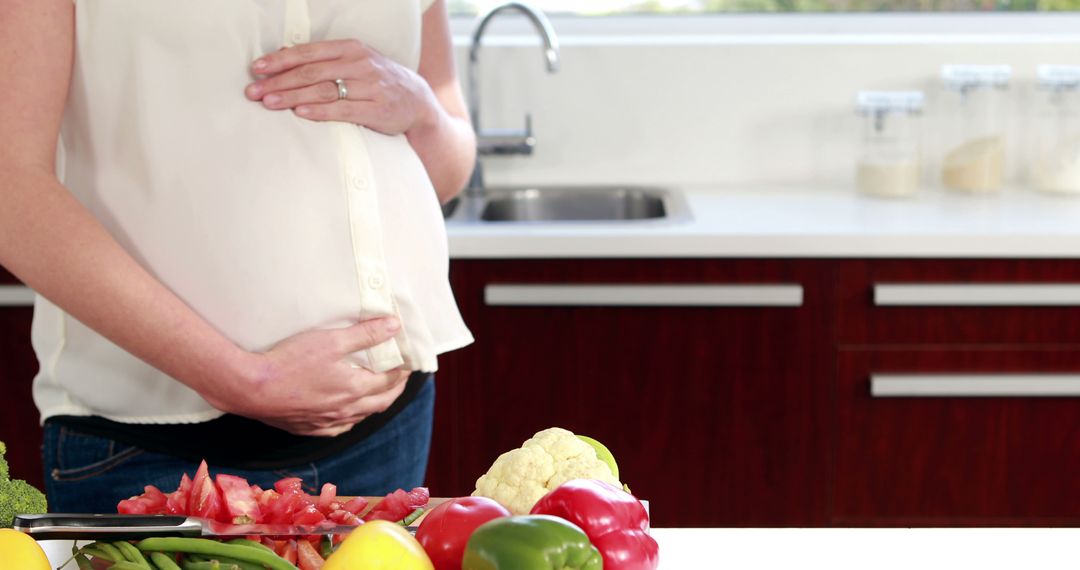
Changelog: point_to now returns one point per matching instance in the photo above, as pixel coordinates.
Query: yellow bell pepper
(379, 545)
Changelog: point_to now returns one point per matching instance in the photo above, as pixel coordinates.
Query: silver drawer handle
(974, 385)
(996, 295)
(644, 295)
(16, 296)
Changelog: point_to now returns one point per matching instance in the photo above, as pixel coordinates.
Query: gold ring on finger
(342, 90)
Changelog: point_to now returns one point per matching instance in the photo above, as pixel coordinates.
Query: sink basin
(553, 204)
(606, 203)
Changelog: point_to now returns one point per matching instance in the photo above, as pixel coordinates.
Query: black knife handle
(101, 526)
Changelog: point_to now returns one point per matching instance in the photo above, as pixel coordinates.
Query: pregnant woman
(237, 244)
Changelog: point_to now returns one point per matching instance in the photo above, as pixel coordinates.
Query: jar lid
(1059, 76)
(877, 102)
(964, 77)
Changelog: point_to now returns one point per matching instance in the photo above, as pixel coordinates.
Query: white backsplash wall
(723, 110)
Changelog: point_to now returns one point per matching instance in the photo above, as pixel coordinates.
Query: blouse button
(376, 281)
(298, 37)
(359, 182)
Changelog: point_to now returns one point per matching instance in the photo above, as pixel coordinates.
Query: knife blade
(130, 527)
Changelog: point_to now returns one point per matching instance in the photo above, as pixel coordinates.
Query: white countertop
(868, 549)
(789, 222)
(840, 549)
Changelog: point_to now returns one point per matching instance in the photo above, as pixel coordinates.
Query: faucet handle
(506, 141)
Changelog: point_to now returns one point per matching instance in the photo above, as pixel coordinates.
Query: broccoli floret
(4, 474)
(17, 497)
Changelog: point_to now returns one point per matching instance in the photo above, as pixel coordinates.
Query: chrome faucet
(504, 141)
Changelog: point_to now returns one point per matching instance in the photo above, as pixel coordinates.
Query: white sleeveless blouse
(264, 223)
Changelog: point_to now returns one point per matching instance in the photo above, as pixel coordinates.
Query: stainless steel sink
(567, 204)
(534, 205)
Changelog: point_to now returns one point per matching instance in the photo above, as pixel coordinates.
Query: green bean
(163, 561)
(411, 518)
(213, 548)
(226, 562)
(202, 565)
(250, 543)
(132, 554)
(104, 551)
(326, 547)
(127, 565)
(214, 564)
(82, 562)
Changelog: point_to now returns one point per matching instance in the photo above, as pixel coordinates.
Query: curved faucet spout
(543, 28)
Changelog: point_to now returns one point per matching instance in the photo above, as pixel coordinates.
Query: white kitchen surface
(802, 222)
(839, 549)
(868, 549)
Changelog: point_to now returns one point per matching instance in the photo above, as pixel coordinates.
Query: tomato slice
(356, 505)
(240, 504)
(341, 516)
(294, 484)
(176, 503)
(397, 505)
(151, 502)
(307, 557)
(205, 500)
(326, 497)
(308, 515)
(287, 550)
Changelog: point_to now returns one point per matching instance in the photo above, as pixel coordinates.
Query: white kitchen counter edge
(803, 223)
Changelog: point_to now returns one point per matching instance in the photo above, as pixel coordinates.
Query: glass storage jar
(889, 159)
(1056, 130)
(973, 127)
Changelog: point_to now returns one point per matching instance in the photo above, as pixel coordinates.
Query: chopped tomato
(356, 505)
(240, 504)
(327, 496)
(151, 502)
(308, 515)
(205, 500)
(176, 502)
(294, 484)
(281, 510)
(307, 557)
(287, 550)
(265, 498)
(342, 516)
(398, 505)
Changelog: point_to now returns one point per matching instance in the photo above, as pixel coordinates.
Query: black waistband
(238, 442)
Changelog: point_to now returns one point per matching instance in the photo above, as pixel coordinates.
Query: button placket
(373, 289)
(297, 23)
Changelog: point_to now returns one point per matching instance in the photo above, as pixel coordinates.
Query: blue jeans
(90, 474)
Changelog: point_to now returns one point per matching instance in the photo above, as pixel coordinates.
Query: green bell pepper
(530, 542)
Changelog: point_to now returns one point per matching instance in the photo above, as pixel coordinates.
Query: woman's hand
(304, 385)
(382, 95)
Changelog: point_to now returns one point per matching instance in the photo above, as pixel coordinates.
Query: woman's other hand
(381, 94)
(305, 386)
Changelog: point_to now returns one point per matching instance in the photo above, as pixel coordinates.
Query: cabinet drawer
(959, 301)
(940, 436)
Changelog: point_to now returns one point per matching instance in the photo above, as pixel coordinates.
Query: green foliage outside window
(471, 7)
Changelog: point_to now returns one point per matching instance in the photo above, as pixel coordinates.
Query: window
(611, 7)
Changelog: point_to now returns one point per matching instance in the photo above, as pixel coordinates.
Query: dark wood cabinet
(19, 417)
(941, 461)
(737, 392)
(715, 413)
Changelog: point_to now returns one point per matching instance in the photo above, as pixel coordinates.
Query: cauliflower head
(521, 476)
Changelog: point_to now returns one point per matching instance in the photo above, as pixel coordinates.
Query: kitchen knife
(130, 527)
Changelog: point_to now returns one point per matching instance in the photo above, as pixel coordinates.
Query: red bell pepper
(614, 520)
